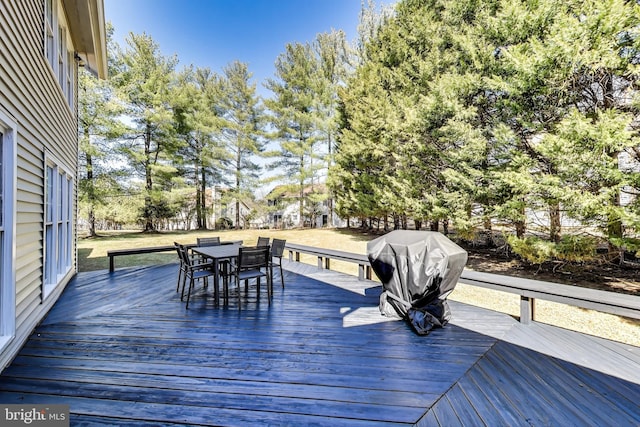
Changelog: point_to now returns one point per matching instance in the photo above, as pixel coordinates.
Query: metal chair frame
(208, 241)
(250, 265)
(192, 270)
(277, 251)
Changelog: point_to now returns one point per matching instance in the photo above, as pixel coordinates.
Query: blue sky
(214, 33)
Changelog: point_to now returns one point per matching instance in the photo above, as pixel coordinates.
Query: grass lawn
(92, 252)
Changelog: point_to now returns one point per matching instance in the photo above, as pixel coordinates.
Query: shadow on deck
(121, 349)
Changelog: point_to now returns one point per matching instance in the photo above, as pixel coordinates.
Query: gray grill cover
(418, 270)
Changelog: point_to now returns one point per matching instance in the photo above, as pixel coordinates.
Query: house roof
(87, 30)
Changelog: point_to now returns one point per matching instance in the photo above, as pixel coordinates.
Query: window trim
(9, 146)
(58, 50)
(57, 259)
(50, 15)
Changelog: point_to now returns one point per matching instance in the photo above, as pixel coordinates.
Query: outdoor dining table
(216, 254)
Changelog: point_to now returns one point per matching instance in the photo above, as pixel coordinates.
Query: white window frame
(62, 57)
(70, 89)
(8, 168)
(58, 219)
(50, 14)
(58, 50)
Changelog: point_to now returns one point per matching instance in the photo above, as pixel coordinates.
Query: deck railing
(529, 290)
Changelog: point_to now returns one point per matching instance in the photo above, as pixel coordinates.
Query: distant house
(224, 208)
(42, 43)
(220, 211)
(284, 208)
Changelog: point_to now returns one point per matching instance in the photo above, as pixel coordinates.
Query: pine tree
(296, 119)
(98, 124)
(143, 78)
(242, 130)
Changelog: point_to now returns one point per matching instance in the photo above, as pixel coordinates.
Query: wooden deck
(121, 349)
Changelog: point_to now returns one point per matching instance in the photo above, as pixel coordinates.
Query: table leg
(216, 281)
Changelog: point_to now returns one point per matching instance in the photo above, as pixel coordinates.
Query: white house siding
(46, 128)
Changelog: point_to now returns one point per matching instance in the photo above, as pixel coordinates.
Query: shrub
(532, 249)
(571, 248)
(577, 248)
(224, 224)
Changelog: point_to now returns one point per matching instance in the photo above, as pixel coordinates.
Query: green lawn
(92, 252)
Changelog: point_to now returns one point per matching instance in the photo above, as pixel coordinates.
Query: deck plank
(122, 349)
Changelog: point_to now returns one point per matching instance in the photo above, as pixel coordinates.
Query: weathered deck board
(121, 349)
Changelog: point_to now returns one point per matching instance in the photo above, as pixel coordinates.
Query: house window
(49, 46)
(70, 79)
(58, 224)
(59, 50)
(62, 58)
(8, 131)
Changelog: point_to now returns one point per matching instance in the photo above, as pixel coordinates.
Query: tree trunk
(488, 229)
(554, 222)
(521, 225)
(238, 171)
(198, 203)
(435, 225)
(203, 197)
(615, 230)
(91, 196)
(148, 205)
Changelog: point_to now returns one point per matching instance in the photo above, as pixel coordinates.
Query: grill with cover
(418, 270)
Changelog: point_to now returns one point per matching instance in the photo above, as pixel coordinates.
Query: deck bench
(326, 255)
(605, 301)
(149, 250)
(135, 251)
(529, 290)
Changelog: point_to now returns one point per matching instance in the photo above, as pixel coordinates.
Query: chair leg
(238, 290)
(179, 277)
(184, 285)
(189, 293)
(281, 274)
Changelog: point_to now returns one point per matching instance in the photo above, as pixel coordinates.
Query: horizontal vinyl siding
(30, 92)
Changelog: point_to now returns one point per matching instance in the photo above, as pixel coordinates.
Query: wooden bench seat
(326, 255)
(608, 302)
(605, 301)
(135, 251)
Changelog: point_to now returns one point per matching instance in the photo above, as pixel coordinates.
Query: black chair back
(277, 248)
(253, 258)
(208, 241)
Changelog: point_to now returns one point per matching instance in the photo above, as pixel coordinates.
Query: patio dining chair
(262, 241)
(253, 263)
(215, 241)
(193, 270)
(183, 267)
(277, 251)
